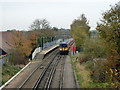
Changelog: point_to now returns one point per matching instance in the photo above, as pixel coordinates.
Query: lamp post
(42, 42)
(51, 39)
(55, 39)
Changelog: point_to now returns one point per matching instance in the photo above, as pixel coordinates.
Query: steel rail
(61, 76)
(42, 74)
(49, 80)
(20, 87)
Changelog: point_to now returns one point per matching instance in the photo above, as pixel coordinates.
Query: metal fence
(45, 45)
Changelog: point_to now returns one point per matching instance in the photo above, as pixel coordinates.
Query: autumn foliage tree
(32, 35)
(109, 30)
(21, 45)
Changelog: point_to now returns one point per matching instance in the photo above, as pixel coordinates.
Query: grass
(8, 71)
(72, 58)
(83, 75)
(80, 80)
(84, 71)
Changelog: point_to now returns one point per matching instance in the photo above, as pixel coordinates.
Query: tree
(79, 35)
(38, 24)
(55, 29)
(81, 21)
(16, 57)
(94, 48)
(43, 29)
(32, 36)
(109, 30)
(45, 24)
(21, 43)
(80, 30)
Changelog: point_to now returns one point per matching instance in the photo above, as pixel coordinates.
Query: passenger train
(64, 47)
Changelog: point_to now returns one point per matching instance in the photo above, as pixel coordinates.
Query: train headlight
(60, 49)
(66, 48)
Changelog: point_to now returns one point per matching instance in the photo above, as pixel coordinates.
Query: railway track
(30, 80)
(57, 81)
(45, 73)
(57, 71)
(47, 76)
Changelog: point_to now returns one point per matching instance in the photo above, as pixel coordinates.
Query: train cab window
(63, 45)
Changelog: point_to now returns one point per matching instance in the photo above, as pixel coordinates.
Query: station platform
(45, 51)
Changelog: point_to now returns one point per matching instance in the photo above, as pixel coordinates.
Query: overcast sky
(19, 14)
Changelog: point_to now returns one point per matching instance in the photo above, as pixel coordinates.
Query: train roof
(63, 43)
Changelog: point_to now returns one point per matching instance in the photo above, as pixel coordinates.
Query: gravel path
(68, 78)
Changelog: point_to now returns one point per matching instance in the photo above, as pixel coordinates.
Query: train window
(63, 45)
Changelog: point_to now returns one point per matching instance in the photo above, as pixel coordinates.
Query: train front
(63, 48)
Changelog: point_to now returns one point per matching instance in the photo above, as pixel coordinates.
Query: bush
(97, 73)
(96, 70)
(17, 57)
(8, 71)
(94, 48)
(82, 58)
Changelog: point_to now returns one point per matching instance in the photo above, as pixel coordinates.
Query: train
(64, 47)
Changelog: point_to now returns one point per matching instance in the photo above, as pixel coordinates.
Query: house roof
(5, 41)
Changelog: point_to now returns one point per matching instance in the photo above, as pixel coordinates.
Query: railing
(37, 50)
(45, 45)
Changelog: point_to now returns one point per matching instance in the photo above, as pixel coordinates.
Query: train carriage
(63, 48)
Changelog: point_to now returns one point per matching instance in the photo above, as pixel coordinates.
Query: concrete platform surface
(46, 50)
(68, 78)
(41, 55)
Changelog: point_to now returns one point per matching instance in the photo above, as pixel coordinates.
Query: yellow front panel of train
(63, 49)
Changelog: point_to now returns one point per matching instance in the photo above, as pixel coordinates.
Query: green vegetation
(109, 30)
(8, 71)
(94, 48)
(17, 58)
(99, 50)
(80, 80)
(87, 75)
(80, 31)
(95, 74)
